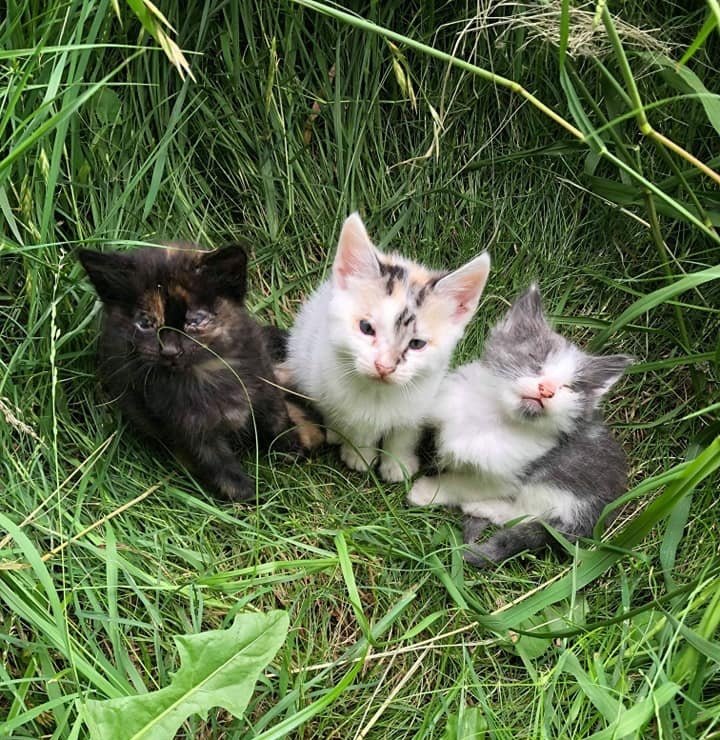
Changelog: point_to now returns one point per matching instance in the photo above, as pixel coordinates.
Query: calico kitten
(371, 345)
(519, 434)
(185, 361)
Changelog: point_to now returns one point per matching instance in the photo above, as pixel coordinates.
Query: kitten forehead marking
(154, 305)
(179, 292)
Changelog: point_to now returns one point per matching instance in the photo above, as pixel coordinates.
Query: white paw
(353, 459)
(423, 492)
(394, 470)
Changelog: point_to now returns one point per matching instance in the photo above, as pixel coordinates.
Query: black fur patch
(422, 294)
(393, 273)
(404, 319)
(209, 395)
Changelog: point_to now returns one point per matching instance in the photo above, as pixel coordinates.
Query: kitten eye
(417, 343)
(197, 319)
(144, 322)
(367, 328)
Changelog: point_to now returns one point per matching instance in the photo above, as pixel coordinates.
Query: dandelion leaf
(218, 668)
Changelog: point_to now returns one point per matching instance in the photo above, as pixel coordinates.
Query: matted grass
(294, 120)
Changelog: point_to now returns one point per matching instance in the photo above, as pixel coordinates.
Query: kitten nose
(383, 370)
(547, 389)
(170, 348)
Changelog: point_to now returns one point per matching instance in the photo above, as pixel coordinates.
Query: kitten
(371, 345)
(519, 434)
(185, 361)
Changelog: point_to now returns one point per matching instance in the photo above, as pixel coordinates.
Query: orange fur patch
(311, 435)
(154, 305)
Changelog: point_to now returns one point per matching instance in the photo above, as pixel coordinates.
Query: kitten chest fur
(472, 432)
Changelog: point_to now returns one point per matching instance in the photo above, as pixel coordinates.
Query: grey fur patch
(392, 273)
(586, 461)
(600, 373)
(422, 294)
(404, 319)
(503, 544)
(522, 341)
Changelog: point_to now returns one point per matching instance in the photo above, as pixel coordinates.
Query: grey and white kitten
(373, 343)
(519, 434)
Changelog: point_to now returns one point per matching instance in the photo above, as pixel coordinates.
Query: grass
(111, 549)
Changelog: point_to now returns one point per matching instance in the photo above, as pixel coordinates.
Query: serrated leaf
(218, 668)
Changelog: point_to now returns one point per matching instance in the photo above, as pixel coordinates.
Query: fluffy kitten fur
(371, 345)
(519, 434)
(185, 361)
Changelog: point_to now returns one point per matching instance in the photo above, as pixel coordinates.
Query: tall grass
(297, 114)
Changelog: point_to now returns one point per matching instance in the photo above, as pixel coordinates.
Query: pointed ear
(111, 273)
(356, 256)
(528, 307)
(225, 271)
(600, 374)
(464, 286)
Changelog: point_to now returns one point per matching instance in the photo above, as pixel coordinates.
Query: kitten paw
(353, 459)
(235, 486)
(473, 527)
(480, 556)
(395, 470)
(423, 492)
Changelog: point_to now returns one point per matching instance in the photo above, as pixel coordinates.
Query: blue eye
(417, 343)
(197, 319)
(144, 321)
(367, 328)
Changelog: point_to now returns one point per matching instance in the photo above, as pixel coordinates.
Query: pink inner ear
(466, 295)
(465, 286)
(355, 253)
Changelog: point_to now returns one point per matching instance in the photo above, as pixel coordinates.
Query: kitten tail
(508, 542)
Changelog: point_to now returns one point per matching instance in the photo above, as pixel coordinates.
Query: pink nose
(547, 389)
(383, 370)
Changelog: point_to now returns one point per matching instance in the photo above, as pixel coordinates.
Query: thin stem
(515, 87)
(485, 74)
(640, 116)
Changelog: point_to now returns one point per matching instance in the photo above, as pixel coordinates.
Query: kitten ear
(111, 273)
(528, 306)
(356, 256)
(465, 285)
(600, 373)
(225, 270)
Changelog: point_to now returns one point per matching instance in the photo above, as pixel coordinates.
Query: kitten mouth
(531, 405)
(172, 366)
(533, 399)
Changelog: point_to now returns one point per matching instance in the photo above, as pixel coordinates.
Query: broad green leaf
(684, 79)
(218, 668)
(603, 699)
(597, 562)
(633, 719)
(468, 724)
(649, 301)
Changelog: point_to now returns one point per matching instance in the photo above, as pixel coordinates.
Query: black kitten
(185, 361)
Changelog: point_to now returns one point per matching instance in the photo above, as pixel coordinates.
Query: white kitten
(518, 434)
(372, 344)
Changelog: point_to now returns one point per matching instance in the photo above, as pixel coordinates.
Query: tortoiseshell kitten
(185, 361)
